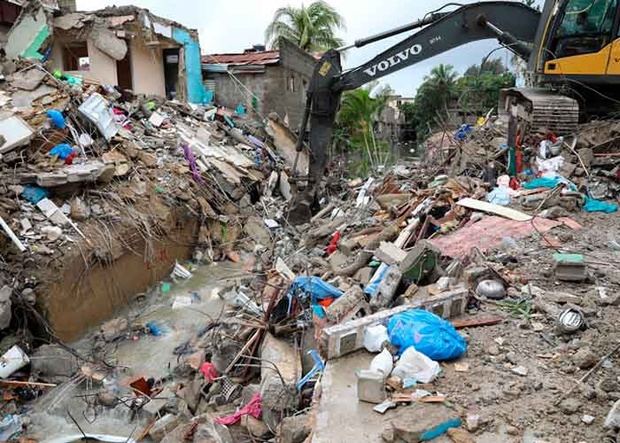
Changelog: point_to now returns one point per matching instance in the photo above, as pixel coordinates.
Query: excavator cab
(581, 38)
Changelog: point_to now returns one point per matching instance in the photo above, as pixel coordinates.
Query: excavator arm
(513, 24)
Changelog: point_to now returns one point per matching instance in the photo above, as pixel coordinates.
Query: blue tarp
(592, 205)
(316, 289)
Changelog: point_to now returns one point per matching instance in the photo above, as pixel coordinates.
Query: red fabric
(333, 244)
(253, 408)
(69, 160)
(326, 302)
(208, 370)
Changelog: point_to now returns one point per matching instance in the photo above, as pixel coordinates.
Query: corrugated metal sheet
(247, 58)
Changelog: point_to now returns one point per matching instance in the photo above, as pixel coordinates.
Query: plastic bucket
(12, 360)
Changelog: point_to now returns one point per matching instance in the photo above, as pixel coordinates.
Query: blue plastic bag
(63, 151)
(57, 118)
(427, 333)
(315, 287)
(593, 205)
(34, 194)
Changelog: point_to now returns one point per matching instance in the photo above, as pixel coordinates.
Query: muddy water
(147, 356)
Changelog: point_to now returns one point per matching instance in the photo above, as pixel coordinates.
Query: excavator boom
(513, 24)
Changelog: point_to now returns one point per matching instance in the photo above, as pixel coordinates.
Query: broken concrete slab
(348, 305)
(285, 143)
(107, 42)
(24, 99)
(29, 79)
(54, 363)
(420, 422)
(91, 171)
(279, 353)
(73, 20)
(27, 35)
(347, 337)
(389, 253)
(16, 132)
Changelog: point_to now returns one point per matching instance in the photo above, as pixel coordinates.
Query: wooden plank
(479, 320)
(509, 213)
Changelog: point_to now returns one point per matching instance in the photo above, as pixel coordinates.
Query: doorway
(171, 72)
(123, 72)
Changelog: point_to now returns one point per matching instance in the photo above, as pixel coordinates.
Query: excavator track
(544, 109)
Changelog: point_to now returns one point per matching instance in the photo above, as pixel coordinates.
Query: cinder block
(389, 253)
(341, 339)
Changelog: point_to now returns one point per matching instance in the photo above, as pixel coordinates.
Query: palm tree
(312, 28)
(443, 81)
(359, 110)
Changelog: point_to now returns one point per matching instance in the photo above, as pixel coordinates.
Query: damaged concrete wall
(229, 94)
(147, 67)
(102, 67)
(28, 34)
(196, 92)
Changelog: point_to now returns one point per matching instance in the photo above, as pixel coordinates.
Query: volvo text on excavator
(572, 51)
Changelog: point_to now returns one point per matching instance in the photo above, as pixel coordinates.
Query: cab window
(586, 26)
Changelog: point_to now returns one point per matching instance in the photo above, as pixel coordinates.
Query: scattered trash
(12, 360)
(415, 365)
(427, 333)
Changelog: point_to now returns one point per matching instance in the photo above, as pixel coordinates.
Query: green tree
(312, 28)
(433, 98)
(359, 110)
(493, 66)
(479, 87)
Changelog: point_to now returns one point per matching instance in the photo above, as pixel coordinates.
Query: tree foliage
(312, 27)
(359, 110)
(475, 93)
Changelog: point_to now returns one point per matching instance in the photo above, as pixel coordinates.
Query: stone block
(612, 421)
(346, 337)
(420, 422)
(163, 426)
(389, 253)
(348, 305)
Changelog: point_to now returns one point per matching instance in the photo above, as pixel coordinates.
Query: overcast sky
(233, 25)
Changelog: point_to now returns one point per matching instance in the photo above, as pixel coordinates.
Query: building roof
(246, 58)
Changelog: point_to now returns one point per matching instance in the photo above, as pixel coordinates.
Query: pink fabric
(488, 233)
(253, 408)
(208, 370)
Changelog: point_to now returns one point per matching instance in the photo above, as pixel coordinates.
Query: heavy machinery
(572, 50)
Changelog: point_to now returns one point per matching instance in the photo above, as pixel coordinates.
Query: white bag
(414, 364)
(382, 363)
(374, 337)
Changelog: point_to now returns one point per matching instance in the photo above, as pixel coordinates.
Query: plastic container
(12, 360)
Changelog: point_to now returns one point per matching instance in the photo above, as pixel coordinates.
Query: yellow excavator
(571, 48)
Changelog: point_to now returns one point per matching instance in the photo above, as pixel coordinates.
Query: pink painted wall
(147, 67)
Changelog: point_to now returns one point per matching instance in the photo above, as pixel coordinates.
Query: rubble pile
(442, 292)
(91, 173)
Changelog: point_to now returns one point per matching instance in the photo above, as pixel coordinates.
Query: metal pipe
(507, 39)
(431, 18)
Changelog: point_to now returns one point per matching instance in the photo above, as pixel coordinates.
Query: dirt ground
(528, 407)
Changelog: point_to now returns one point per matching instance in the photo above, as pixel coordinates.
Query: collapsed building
(125, 46)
